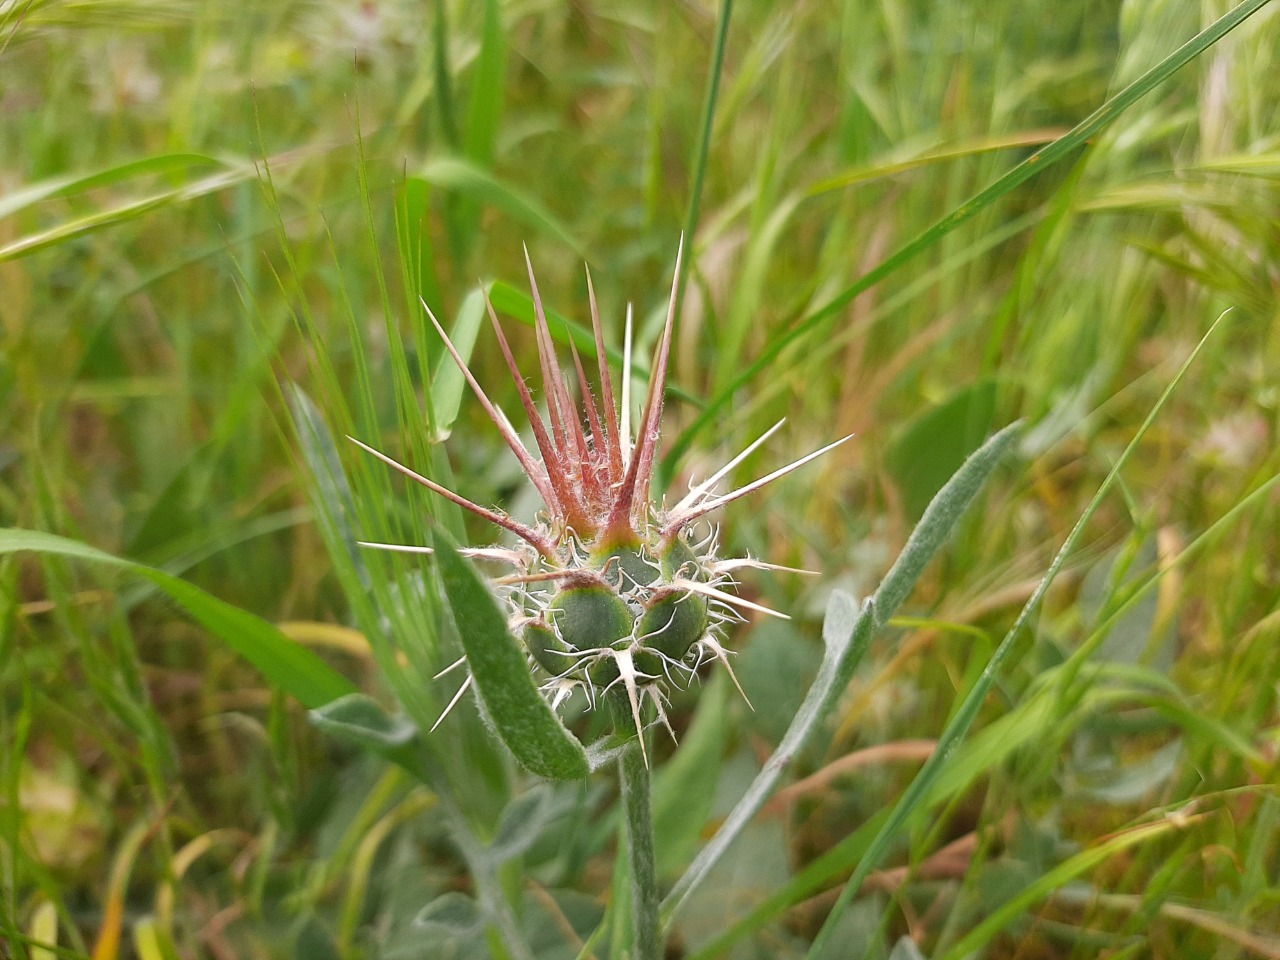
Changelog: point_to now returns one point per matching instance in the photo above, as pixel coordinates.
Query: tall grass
(215, 226)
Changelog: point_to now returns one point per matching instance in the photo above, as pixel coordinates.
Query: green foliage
(847, 630)
(910, 222)
(934, 444)
(521, 718)
(292, 668)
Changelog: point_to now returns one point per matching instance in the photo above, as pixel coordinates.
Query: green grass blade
(484, 116)
(124, 212)
(484, 109)
(56, 187)
(808, 882)
(516, 711)
(704, 142)
(292, 668)
(320, 454)
(943, 153)
(468, 180)
(1043, 158)
(1045, 885)
(416, 251)
(968, 710)
(1141, 589)
(444, 77)
(448, 384)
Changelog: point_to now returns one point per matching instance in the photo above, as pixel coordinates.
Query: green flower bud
(545, 646)
(674, 623)
(610, 592)
(587, 618)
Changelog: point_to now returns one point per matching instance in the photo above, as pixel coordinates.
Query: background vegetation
(207, 203)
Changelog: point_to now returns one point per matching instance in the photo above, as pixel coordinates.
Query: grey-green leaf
(846, 632)
(360, 719)
(939, 519)
(522, 821)
(453, 915)
(516, 711)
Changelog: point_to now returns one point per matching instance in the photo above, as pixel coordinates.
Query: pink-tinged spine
(606, 389)
(597, 457)
(567, 502)
(564, 418)
(537, 475)
(542, 544)
(550, 368)
(586, 473)
(640, 468)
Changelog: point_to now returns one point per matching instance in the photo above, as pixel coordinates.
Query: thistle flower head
(610, 592)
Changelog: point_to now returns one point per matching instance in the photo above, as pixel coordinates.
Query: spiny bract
(610, 591)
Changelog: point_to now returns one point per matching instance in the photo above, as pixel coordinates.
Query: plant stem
(704, 140)
(633, 774)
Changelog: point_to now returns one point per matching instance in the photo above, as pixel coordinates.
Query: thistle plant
(610, 593)
(613, 594)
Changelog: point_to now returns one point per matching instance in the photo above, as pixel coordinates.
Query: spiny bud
(611, 594)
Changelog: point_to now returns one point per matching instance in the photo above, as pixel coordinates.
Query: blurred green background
(203, 204)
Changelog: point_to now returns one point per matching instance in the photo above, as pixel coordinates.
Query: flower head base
(610, 593)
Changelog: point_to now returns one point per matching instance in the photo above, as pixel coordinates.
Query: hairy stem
(638, 835)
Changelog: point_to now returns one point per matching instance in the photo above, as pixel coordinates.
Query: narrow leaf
(939, 519)
(516, 711)
(470, 181)
(846, 633)
(964, 716)
(291, 667)
(129, 210)
(362, 722)
(160, 164)
(448, 384)
(484, 109)
(360, 719)
(1064, 872)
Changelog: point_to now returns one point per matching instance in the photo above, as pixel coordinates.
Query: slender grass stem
(638, 835)
(699, 174)
(704, 139)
